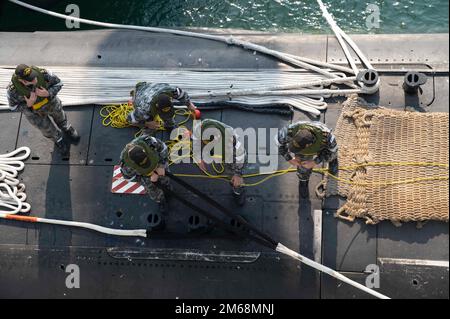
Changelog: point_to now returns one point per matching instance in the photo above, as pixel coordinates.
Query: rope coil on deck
(12, 192)
(13, 197)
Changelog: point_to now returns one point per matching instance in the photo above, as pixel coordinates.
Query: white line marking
(417, 262)
(139, 190)
(317, 248)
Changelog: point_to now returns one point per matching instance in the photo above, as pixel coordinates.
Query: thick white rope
(288, 252)
(338, 34)
(98, 228)
(96, 85)
(341, 36)
(13, 197)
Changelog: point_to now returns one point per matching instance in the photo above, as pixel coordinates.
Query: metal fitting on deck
(369, 79)
(412, 81)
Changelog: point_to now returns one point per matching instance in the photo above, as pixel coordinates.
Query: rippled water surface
(411, 16)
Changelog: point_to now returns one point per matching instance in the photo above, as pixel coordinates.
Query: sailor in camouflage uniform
(233, 154)
(154, 99)
(305, 145)
(145, 160)
(33, 92)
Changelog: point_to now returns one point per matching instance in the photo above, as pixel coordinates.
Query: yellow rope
(116, 116)
(317, 170)
(393, 182)
(423, 164)
(325, 172)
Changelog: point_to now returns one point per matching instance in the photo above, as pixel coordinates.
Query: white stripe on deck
(416, 262)
(117, 182)
(139, 190)
(116, 171)
(317, 248)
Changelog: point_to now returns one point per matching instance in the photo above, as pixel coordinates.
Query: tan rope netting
(403, 158)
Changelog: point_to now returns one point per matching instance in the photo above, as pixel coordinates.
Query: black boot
(73, 134)
(239, 196)
(63, 147)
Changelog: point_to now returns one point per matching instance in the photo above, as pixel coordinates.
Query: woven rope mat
(396, 192)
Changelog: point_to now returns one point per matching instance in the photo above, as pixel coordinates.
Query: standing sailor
(231, 155)
(305, 145)
(150, 100)
(33, 91)
(145, 160)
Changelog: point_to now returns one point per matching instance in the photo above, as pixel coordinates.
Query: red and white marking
(122, 186)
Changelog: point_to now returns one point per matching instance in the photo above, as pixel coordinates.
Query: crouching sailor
(152, 100)
(305, 145)
(145, 160)
(231, 152)
(33, 91)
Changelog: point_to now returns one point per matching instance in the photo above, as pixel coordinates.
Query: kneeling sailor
(145, 160)
(156, 99)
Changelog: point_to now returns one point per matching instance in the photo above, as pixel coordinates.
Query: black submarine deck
(33, 257)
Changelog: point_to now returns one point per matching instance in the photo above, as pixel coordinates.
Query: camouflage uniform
(145, 99)
(130, 174)
(50, 119)
(327, 151)
(236, 166)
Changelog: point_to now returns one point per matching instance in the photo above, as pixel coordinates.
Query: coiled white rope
(12, 192)
(13, 197)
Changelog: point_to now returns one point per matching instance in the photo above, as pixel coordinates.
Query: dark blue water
(410, 16)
